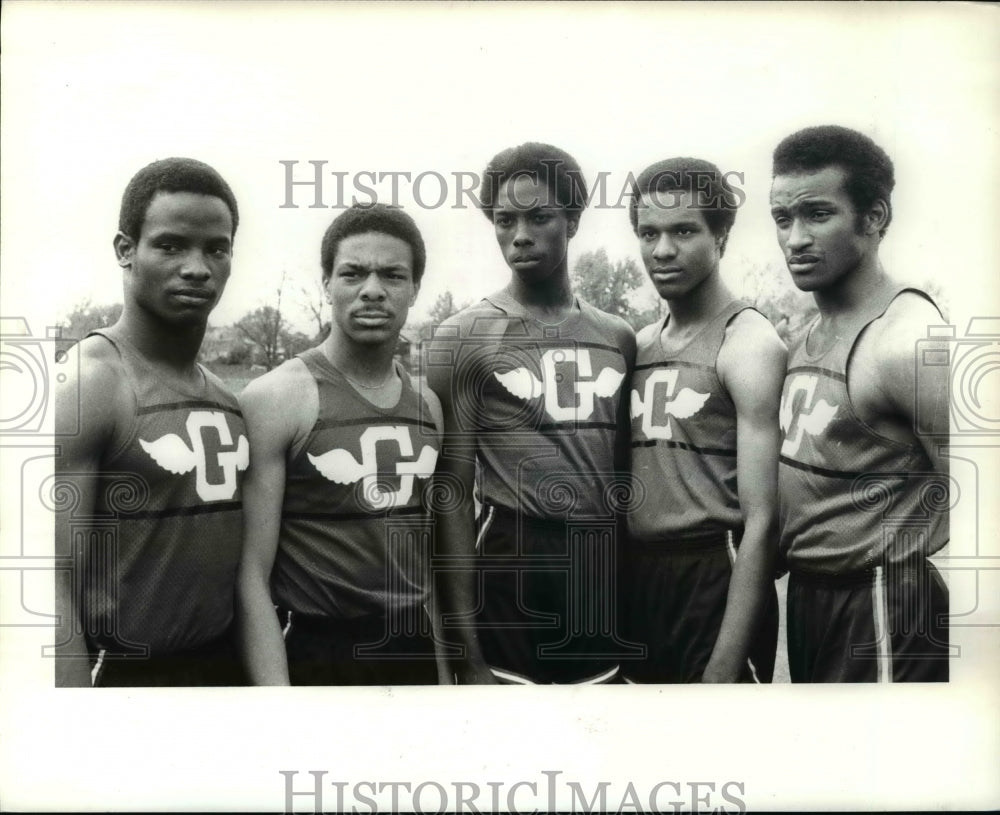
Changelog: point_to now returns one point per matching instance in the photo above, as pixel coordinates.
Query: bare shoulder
(283, 400)
(468, 322)
(95, 360)
(431, 400)
(893, 337)
(92, 399)
(886, 375)
(647, 334)
(94, 393)
(215, 380)
(751, 340)
(623, 333)
(457, 339)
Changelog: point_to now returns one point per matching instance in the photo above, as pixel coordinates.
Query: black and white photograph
(408, 406)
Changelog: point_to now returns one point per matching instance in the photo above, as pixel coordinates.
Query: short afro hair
(362, 218)
(171, 175)
(694, 176)
(868, 169)
(549, 165)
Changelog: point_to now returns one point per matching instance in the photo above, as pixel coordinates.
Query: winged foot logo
(522, 383)
(341, 467)
(686, 404)
(814, 422)
(172, 453)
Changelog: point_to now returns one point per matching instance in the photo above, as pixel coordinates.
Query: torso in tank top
(850, 499)
(171, 488)
(683, 435)
(355, 531)
(547, 411)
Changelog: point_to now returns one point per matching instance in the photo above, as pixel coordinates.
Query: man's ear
(124, 249)
(572, 224)
(877, 217)
(416, 291)
(721, 241)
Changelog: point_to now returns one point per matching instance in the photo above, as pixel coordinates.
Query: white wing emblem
(242, 453)
(687, 403)
(638, 406)
(607, 382)
(341, 467)
(815, 422)
(172, 454)
(521, 383)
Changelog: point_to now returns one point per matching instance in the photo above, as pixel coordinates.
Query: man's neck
(553, 298)
(852, 291)
(169, 345)
(366, 364)
(700, 304)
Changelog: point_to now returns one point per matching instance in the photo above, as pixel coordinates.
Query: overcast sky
(92, 92)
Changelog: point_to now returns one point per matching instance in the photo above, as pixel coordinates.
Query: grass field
(236, 378)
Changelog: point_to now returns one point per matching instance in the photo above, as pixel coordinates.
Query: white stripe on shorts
(95, 672)
(484, 528)
(600, 679)
(882, 642)
(511, 678)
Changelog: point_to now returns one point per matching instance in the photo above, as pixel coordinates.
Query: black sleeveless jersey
(354, 531)
(162, 566)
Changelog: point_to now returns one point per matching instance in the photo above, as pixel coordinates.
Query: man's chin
(374, 336)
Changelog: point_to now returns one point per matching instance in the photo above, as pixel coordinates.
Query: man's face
(817, 227)
(371, 287)
(532, 231)
(678, 248)
(178, 268)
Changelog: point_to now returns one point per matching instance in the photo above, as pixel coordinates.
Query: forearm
(72, 667)
(751, 579)
(261, 643)
(457, 590)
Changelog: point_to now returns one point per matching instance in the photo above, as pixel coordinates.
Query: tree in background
(311, 299)
(443, 308)
(84, 317)
(773, 294)
(272, 337)
(264, 327)
(606, 285)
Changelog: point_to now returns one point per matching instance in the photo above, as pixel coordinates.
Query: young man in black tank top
(863, 497)
(532, 382)
(154, 527)
(337, 537)
(699, 588)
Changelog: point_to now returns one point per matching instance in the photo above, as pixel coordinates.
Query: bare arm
(456, 527)
(910, 388)
(271, 424)
(93, 386)
(445, 676)
(623, 438)
(751, 366)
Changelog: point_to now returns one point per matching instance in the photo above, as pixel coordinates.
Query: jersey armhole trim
(127, 434)
(915, 446)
